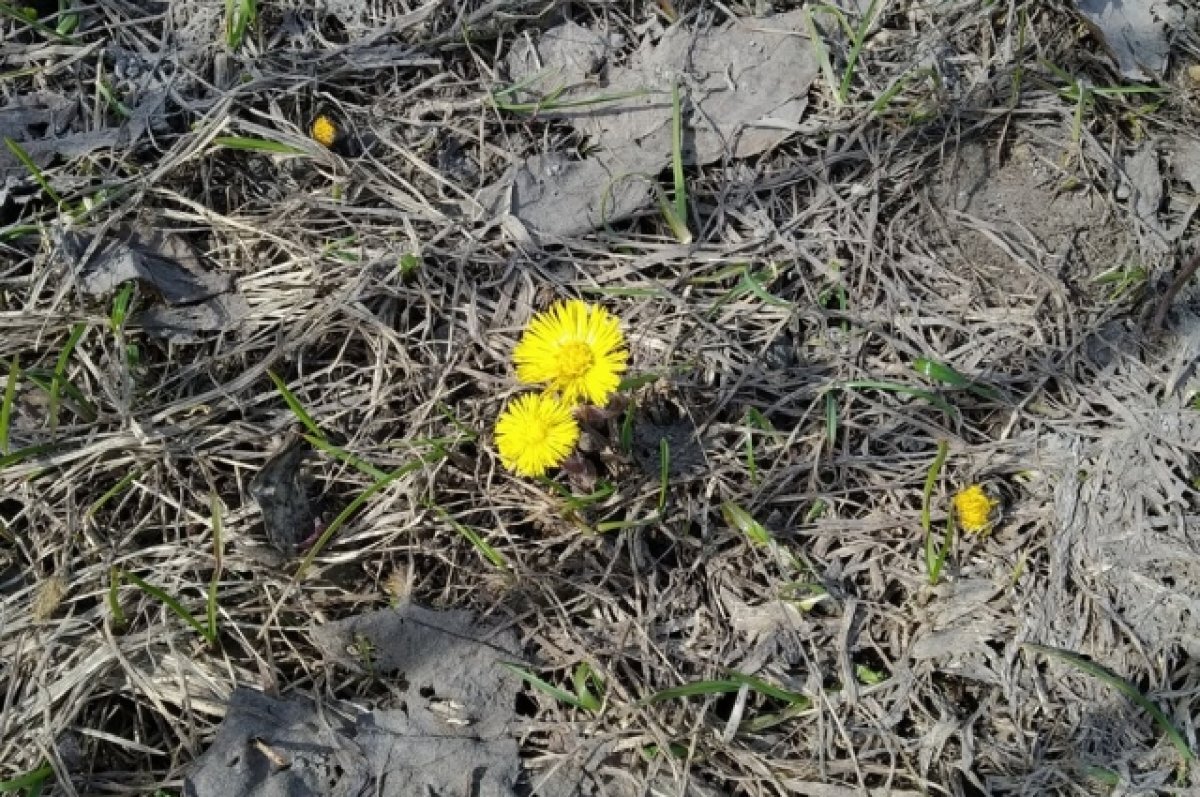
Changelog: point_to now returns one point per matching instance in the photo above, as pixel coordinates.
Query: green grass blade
(934, 559)
(172, 604)
(114, 600)
(60, 370)
(120, 306)
(664, 472)
(257, 145)
(551, 102)
(584, 680)
(753, 283)
(1111, 679)
(112, 492)
(858, 38)
(345, 456)
(821, 51)
(680, 185)
(6, 10)
(892, 387)
(219, 559)
(29, 780)
(831, 419)
(239, 16)
(10, 393)
(354, 506)
(733, 683)
(940, 372)
(296, 407)
(761, 686)
(68, 19)
(485, 549)
(561, 695)
(697, 689)
(617, 525)
(626, 435)
(33, 169)
(744, 522)
(24, 453)
(635, 382)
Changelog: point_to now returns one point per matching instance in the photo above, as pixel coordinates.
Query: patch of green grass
(935, 558)
(1111, 679)
(586, 684)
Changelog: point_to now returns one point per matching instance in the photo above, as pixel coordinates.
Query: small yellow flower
(576, 350)
(535, 433)
(324, 130)
(974, 508)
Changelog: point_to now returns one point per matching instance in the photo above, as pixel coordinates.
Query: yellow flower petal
(535, 432)
(576, 350)
(974, 509)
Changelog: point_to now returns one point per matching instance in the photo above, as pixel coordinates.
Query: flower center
(574, 360)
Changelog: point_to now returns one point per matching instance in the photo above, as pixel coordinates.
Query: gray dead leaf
(280, 493)
(742, 87)
(566, 55)
(43, 125)
(1186, 161)
(766, 618)
(450, 737)
(1145, 187)
(1135, 33)
(445, 658)
(197, 300)
(948, 643)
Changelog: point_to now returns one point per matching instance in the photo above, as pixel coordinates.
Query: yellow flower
(575, 349)
(324, 131)
(974, 509)
(535, 433)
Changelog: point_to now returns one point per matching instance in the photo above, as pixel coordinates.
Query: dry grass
(915, 689)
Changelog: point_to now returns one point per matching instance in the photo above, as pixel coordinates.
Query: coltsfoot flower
(975, 509)
(324, 131)
(577, 350)
(536, 432)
